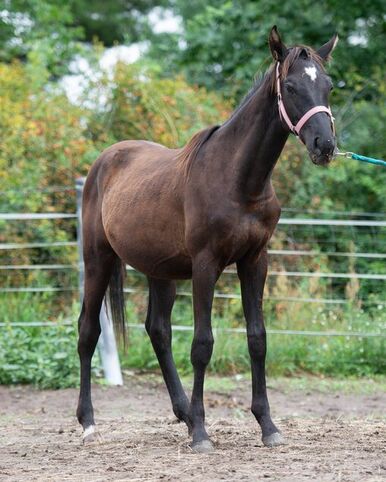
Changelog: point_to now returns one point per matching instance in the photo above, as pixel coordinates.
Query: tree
(40, 30)
(53, 32)
(115, 21)
(224, 44)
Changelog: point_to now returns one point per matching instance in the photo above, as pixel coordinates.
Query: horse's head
(303, 87)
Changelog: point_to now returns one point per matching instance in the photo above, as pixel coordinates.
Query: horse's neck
(252, 140)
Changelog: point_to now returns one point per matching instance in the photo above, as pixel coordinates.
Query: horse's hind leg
(161, 299)
(98, 269)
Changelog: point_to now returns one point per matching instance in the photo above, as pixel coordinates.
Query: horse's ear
(326, 50)
(278, 49)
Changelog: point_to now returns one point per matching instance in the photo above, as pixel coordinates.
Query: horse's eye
(290, 88)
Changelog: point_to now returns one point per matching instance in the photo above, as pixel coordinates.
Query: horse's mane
(266, 81)
(189, 151)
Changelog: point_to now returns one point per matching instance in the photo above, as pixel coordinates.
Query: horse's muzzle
(322, 153)
(321, 159)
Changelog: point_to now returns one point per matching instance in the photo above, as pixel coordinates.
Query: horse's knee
(202, 348)
(159, 334)
(88, 336)
(257, 344)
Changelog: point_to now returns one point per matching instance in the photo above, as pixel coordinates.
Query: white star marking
(311, 71)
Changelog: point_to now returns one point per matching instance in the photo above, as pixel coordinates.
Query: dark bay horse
(188, 213)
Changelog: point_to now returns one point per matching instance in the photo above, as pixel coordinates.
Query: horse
(188, 213)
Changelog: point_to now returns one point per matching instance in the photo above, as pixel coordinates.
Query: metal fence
(291, 247)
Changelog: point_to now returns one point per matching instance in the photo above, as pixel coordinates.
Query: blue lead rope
(358, 157)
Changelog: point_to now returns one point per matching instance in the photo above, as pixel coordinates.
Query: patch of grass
(287, 354)
(359, 386)
(299, 383)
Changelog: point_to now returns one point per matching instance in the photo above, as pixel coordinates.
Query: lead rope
(358, 157)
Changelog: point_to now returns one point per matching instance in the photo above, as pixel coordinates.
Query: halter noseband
(285, 118)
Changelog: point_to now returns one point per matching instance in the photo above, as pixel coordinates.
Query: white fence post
(106, 345)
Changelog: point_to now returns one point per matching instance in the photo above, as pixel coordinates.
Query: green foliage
(113, 22)
(322, 189)
(168, 111)
(43, 356)
(43, 31)
(46, 360)
(225, 43)
(53, 32)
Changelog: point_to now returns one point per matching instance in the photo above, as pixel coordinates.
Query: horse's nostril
(324, 146)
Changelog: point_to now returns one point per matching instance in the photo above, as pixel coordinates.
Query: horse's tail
(117, 300)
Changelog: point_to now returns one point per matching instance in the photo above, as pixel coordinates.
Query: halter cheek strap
(284, 116)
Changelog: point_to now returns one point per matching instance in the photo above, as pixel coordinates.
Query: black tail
(117, 301)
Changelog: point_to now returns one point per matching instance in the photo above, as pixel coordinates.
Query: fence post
(106, 345)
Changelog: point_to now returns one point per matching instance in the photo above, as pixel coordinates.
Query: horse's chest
(254, 232)
(233, 238)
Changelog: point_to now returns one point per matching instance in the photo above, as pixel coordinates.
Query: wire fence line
(31, 216)
(64, 188)
(43, 267)
(315, 274)
(38, 190)
(313, 212)
(298, 274)
(278, 252)
(190, 328)
(284, 221)
(292, 222)
(53, 244)
(218, 295)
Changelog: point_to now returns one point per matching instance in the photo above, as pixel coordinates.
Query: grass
(287, 354)
(47, 357)
(322, 384)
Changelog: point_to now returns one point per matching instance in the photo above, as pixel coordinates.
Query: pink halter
(284, 116)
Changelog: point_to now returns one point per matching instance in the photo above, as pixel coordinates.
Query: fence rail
(190, 328)
(285, 221)
(28, 216)
(218, 295)
(278, 252)
(53, 244)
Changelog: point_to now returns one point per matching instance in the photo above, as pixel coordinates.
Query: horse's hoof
(91, 436)
(274, 440)
(203, 447)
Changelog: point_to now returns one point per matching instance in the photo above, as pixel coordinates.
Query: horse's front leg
(252, 273)
(204, 276)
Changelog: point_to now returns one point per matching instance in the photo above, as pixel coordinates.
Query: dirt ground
(331, 436)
